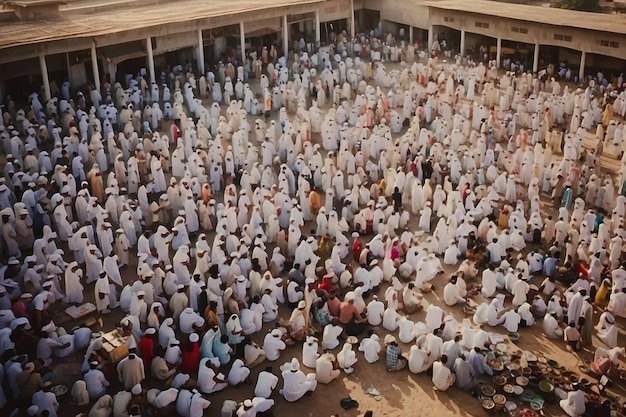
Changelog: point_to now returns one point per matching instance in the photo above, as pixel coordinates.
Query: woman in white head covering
(347, 358)
(102, 408)
(80, 396)
(234, 330)
(154, 317)
(73, 287)
(166, 332)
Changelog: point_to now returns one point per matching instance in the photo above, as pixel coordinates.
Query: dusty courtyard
(403, 394)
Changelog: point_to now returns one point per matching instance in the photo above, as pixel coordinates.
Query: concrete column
(536, 58)
(44, 76)
(200, 56)
(462, 47)
(498, 52)
(352, 30)
(150, 60)
(112, 66)
(242, 40)
(431, 38)
(94, 66)
(318, 30)
(410, 34)
(581, 71)
(362, 27)
(285, 37)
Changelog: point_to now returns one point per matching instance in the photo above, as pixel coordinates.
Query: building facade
(83, 42)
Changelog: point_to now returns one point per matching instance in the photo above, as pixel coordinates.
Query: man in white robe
(102, 291)
(296, 383)
(574, 402)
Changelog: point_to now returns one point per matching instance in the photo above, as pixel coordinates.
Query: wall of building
(334, 10)
(521, 31)
(401, 11)
(172, 37)
(174, 42)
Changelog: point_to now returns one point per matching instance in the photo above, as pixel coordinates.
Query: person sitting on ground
(350, 317)
(443, 378)
(396, 360)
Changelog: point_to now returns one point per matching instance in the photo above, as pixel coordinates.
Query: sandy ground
(403, 394)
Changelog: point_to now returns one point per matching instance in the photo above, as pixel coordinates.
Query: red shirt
(356, 247)
(20, 309)
(191, 357)
(326, 284)
(146, 347)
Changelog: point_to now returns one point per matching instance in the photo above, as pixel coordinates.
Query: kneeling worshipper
(297, 325)
(102, 408)
(349, 316)
(573, 402)
(252, 408)
(606, 362)
(607, 331)
(395, 359)
(296, 383)
(326, 368)
(370, 346)
(347, 357)
(443, 378)
(418, 360)
(265, 383)
(465, 375)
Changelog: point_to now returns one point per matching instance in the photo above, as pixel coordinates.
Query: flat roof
(77, 25)
(33, 3)
(601, 22)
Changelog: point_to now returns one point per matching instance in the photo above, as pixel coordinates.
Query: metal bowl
(546, 387)
(487, 390)
(521, 381)
(499, 380)
(488, 404)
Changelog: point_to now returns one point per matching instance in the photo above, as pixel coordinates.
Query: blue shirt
(549, 266)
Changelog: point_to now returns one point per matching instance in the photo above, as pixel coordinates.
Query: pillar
(44, 76)
(410, 34)
(112, 67)
(581, 71)
(318, 31)
(242, 40)
(285, 37)
(150, 60)
(94, 66)
(362, 27)
(462, 47)
(200, 56)
(498, 52)
(536, 59)
(352, 30)
(431, 38)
